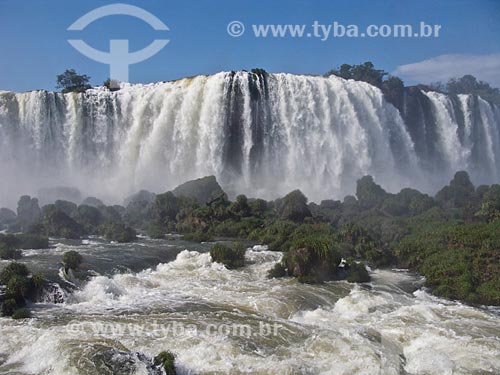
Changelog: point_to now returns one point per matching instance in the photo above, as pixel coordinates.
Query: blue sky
(34, 47)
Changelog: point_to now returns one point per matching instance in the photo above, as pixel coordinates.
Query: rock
(93, 202)
(357, 273)
(28, 211)
(90, 217)
(111, 213)
(166, 360)
(277, 271)
(312, 259)
(294, 207)
(72, 260)
(231, 257)
(58, 224)
(369, 194)
(51, 194)
(118, 232)
(69, 208)
(139, 208)
(142, 196)
(203, 190)
(7, 218)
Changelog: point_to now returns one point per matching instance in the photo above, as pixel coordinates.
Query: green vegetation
(20, 286)
(166, 360)
(363, 72)
(452, 239)
(312, 258)
(70, 81)
(118, 232)
(232, 257)
(72, 259)
(11, 243)
(469, 84)
(7, 252)
(22, 313)
(357, 273)
(156, 231)
(279, 270)
(394, 89)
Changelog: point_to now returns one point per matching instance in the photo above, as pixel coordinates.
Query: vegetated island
(453, 239)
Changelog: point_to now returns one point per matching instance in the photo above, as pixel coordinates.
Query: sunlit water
(317, 134)
(168, 295)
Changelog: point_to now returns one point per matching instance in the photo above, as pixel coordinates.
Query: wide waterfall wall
(260, 134)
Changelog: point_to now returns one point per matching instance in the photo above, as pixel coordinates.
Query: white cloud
(443, 67)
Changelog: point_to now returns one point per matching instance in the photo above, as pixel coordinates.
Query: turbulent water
(263, 135)
(165, 295)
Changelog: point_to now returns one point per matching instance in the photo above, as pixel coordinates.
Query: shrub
(166, 359)
(9, 306)
(231, 257)
(119, 232)
(357, 273)
(18, 286)
(22, 313)
(156, 231)
(13, 269)
(9, 253)
(72, 259)
(312, 258)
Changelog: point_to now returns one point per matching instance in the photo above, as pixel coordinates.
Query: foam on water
(334, 328)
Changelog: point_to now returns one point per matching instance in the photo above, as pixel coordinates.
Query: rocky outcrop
(203, 190)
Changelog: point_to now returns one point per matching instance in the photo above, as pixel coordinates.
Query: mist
(260, 134)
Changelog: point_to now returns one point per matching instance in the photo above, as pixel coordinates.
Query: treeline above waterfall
(259, 133)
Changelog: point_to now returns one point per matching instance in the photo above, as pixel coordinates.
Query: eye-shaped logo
(119, 57)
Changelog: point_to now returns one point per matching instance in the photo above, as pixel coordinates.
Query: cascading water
(259, 134)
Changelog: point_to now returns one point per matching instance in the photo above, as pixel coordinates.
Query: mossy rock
(313, 258)
(231, 257)
(156, 231)
(357, 273)
(13, 269)
(166, 359)
(277, 271)
(72, 259)
(9, 306)
(22, 313)
(119, 232)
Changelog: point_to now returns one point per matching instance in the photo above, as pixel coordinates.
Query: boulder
(204, 190)
(93, 202)
(28, 211)
(294, 207)
(7, 218)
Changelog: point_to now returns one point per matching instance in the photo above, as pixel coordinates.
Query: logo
(119, 57)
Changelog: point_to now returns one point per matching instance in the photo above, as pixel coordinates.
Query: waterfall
(259, 134)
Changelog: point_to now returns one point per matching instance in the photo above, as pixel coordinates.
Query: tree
(112, 84)
(363, 72)
(468, 84)
(72, 259)
(70, 81)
